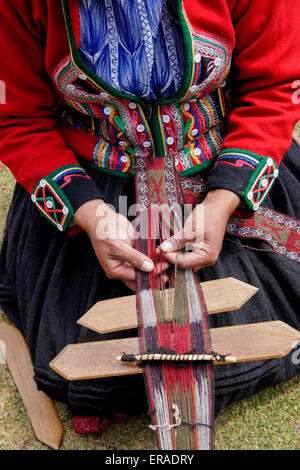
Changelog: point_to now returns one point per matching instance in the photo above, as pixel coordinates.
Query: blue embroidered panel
(133, 45)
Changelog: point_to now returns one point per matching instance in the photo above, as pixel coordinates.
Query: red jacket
(263, 38)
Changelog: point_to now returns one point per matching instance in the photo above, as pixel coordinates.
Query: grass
(268, 420)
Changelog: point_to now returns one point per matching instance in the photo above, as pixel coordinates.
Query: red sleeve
(265, 70)
(31, 144)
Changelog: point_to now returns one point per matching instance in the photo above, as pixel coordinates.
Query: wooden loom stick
(176, 357)
(42, 414)
(221, 295)
(250, 342)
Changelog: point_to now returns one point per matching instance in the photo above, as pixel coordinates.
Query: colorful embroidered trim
(260, 183)
(264, 173)
(50, 198)
(63, 176)
(193, 132)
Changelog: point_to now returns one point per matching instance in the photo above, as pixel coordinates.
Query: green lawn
(268, 420)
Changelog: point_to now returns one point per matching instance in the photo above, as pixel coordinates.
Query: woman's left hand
(204, 230)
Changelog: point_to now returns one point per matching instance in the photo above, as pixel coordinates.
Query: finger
(193, 231)
(134, 257)
(118, 269)
(195, 260)
(160, 267)
(131, 285)
(174, 243)
(164, 278)
(161, 280)
(124, 271)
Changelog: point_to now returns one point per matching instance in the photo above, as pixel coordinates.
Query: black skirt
(48, 280)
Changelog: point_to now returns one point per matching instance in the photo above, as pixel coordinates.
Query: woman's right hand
(113, 238)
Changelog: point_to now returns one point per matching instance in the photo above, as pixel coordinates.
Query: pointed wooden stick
(42, 414)
(249, 342)
(221, 295)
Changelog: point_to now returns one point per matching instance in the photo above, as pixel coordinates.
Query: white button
(60, 228)
(33, 198)
(193, 88)
(147, 144)
(186, 106)
(124, 159)
(250, 196)
(43, 183)
(197, 58)
(218, 61)
(170, 140)
(140, 128)
(270, 162)
(194, 132)
(264, 183)
(223, 84)
(276, 173)
(71, 87)
(255, 207)
(166, 118)
(107, 111)
(65, 210)
(197, 152)
(122, 143)
(132, 105)
(103, 94)
(49, 204)
(82, 76)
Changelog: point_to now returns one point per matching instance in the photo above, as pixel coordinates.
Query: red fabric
(95, 425)
(264, 36)
(86, 424)
(265, 39)
(90, 425)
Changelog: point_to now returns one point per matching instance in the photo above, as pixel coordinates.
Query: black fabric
(49, 279)
(229, 177)
(79, 191)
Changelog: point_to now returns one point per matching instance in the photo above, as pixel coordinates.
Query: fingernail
(147, 266)
(166, 246)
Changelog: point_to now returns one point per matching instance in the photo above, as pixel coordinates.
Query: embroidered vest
(190, 126)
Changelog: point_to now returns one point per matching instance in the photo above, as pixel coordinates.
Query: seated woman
(94, 84)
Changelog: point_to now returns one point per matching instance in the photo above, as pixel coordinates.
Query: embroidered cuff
(61, 193)
(247, 174)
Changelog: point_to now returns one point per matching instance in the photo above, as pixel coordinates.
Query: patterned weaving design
(145, 59)
(180, 397)
(281, 232)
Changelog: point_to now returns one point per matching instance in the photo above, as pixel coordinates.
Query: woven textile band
(177, 322)
(281, 232)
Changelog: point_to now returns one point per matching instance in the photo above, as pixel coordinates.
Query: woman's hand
(204, 230)
(113, 237)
